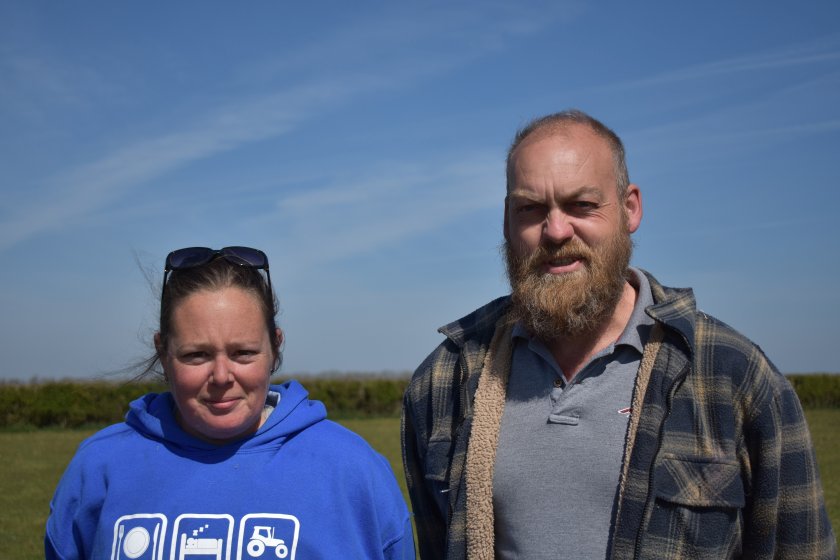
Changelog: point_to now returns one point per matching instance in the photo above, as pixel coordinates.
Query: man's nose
(557, 227)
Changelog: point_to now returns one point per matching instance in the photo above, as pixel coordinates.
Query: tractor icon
(264, 537)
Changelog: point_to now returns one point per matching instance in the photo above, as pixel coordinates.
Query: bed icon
(204, 547)
(202, 536)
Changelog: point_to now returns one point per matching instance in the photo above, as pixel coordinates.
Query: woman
(225, 465)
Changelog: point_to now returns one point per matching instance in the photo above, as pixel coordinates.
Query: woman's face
(218, 362)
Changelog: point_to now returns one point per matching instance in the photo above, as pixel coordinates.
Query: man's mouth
(562, 261)
(562, 265)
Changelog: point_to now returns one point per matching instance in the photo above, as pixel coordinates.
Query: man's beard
(571, 304)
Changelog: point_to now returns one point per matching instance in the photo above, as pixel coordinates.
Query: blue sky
(362, 146)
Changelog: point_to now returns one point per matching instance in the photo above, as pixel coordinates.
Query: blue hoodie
(302, 487)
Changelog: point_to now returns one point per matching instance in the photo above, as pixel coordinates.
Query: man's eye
(527, 208)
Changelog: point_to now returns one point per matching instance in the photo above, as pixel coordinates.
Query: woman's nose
(222, 370)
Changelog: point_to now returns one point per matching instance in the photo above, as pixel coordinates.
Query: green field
(823, 425)
(33, 462)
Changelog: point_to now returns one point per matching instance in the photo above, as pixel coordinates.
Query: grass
(823, 425)
(383, 434)
(33, 462)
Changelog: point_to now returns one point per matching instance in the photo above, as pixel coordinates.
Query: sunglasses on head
(191, 257)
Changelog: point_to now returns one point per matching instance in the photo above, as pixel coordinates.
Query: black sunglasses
(191, 257)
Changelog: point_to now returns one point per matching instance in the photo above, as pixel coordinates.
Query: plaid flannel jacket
(721, 463)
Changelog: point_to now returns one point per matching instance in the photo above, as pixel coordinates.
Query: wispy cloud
(34, 85)
(393, 202)
(824, 50)
(409, 43)
(781, 105)
(87, 188)
(69, 196)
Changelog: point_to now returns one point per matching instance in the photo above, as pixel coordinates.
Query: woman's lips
(221, 405)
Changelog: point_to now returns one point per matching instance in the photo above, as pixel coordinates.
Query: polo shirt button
(558, 382)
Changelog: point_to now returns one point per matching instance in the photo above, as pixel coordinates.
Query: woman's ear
(160, 349)
(278, 354)
(158, 345)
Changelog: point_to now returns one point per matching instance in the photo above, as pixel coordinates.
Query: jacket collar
(675, 308)
(477, 323)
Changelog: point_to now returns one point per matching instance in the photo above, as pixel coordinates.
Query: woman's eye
(193, 357)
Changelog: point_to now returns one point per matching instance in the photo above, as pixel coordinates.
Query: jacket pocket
(437, 464)
(437, 460)
(697, 509)
(699, 483)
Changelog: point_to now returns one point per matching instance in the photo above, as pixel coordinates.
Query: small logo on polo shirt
(625, 410)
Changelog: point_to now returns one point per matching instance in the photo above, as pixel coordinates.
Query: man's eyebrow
(586, 190)
(523, 195)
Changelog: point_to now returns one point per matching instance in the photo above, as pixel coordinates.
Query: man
(595, 413)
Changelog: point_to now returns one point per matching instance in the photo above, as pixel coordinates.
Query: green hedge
(817, 390)
(358, 397)
(72, 404)
(68, 404)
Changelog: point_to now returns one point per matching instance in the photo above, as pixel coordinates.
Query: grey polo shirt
(561, 444)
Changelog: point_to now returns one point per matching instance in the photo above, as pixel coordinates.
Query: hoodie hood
(153, 416)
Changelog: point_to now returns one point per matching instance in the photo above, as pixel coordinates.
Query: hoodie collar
(153, 415)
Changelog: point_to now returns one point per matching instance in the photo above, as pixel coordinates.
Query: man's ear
(633, 207)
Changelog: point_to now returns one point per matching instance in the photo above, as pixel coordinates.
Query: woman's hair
(213, 276)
